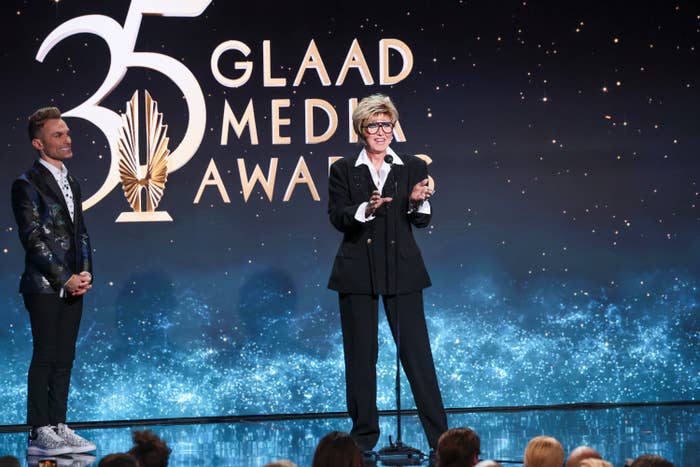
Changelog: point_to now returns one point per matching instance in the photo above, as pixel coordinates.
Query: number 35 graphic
(121, 42)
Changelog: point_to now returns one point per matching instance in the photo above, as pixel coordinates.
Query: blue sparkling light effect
(521, 345)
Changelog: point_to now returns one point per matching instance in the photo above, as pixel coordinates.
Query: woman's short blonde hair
(372, 105)
(544, 451)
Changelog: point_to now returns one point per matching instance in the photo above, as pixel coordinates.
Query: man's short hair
(38, 118)
(458, 447)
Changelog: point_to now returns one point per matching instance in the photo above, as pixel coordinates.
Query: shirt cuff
(360, 213)
(423, 208)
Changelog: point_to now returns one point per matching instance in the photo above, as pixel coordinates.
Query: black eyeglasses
(372, 128)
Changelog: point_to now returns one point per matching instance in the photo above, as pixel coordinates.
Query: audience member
(544, 451)
(651, 460)
(581, 453)
(488, 463)
(281, 463)
(149, 449)
(119, 459)
(9, 461)
(458, 447)
(337, 449)
(593, 462)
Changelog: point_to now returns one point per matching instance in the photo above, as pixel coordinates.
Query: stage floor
(618, 434)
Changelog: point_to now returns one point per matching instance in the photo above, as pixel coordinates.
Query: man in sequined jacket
(46, 202)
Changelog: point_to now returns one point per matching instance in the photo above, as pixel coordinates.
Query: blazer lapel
(361, 180)
(49, 181)
(76, 195)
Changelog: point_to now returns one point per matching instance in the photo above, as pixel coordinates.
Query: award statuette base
(152, 216)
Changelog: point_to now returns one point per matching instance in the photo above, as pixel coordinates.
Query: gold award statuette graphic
(151, 177)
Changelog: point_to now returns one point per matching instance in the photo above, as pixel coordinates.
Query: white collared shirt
(379, 179)
(61, 176)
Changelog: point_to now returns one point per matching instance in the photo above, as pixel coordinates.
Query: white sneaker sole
(82, 449)
(82, 457)
(38, 451)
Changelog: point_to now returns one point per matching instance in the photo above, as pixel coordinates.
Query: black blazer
(366, 261)
(56, 246)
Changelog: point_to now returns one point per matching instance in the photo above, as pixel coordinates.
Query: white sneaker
(47, 443)
(76, 442)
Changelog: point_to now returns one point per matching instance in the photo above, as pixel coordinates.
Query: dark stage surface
(619, 433)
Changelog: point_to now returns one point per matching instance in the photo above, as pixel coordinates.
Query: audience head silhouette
(337, 449)
(149, 449)
(119, 459)
(580, 453)
(544, 451)
(458, 447)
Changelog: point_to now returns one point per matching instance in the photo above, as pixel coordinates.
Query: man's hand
(375, 201)
(78, 284)
(420, 192)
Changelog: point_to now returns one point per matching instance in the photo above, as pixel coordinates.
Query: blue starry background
(564, 244)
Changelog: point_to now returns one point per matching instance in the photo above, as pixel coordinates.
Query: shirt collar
(56, 172)
(363, 158)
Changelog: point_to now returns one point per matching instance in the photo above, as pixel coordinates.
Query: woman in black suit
(375, 200)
